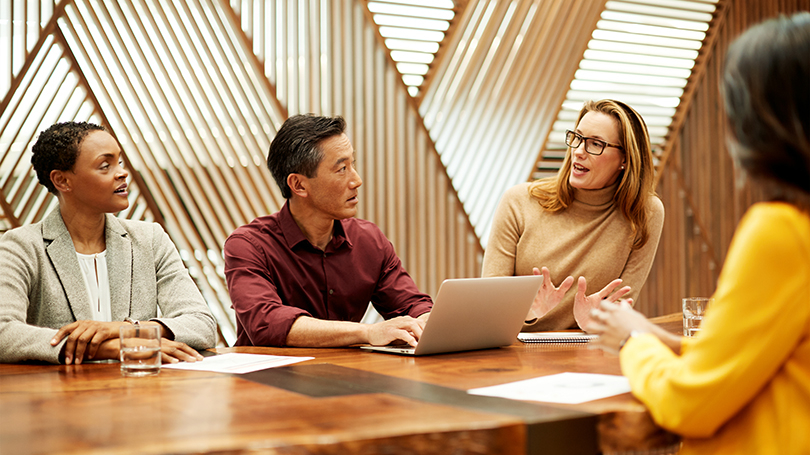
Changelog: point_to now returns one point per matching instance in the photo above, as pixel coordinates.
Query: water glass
(140, 350)
(693, 310)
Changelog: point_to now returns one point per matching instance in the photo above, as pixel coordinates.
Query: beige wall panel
(698, 181)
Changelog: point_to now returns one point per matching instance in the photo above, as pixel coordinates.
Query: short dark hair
(296, 147)
(57, 148)
(767, 101)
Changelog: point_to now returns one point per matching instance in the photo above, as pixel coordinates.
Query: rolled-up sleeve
(396, 293)
(262, 316)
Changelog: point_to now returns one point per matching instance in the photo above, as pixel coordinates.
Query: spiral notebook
(555, 337)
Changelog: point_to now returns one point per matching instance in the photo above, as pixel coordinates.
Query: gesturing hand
(404, 328)
(548, 296)
(584, 304)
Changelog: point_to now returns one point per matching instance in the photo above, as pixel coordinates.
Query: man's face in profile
(333, 189)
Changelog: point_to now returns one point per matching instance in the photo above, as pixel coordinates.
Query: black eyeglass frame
(594, 142)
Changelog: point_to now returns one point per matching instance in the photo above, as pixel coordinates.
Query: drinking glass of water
(140, 350)
(693, 310)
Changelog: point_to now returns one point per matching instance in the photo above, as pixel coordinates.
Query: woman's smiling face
(593, 172)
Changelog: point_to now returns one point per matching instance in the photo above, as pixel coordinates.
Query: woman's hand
(584, 304)
(614, 323)
(548, 296)
(171, 351)
(175, 351)
(84, 339)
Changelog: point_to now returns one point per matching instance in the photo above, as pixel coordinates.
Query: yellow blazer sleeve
(760, 315)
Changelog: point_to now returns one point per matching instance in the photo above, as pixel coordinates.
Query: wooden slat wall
(326, 56)
(495, 93)
(195, 116)
(194, 92)
(697, 177)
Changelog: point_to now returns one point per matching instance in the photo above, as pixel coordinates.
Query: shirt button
(331, 291)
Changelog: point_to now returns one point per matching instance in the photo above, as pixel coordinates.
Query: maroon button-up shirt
(275, 275)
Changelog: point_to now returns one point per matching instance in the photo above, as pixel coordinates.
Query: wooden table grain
(372, 403)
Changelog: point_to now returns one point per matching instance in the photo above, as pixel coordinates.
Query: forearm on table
(310, 332)
(197, 330)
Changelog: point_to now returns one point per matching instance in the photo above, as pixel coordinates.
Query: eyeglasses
(592, 145)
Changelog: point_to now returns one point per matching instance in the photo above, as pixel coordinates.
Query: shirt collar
(294, 236)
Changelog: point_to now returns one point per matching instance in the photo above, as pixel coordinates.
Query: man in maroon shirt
(304, 275)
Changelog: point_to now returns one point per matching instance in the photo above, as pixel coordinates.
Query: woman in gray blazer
(70, 281)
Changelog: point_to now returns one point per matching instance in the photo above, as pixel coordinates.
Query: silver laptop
(474, 313)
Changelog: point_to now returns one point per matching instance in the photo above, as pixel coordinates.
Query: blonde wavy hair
(635, 181)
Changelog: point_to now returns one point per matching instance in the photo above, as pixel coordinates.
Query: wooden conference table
(343, 401)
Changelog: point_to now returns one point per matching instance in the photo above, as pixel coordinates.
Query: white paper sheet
(569, 388)
(237, 363)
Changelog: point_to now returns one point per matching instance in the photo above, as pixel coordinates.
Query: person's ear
(60, 181)
(298, 184)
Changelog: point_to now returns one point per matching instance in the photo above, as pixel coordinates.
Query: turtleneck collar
(596, 198)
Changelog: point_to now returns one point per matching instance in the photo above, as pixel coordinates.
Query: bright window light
(618, 87)
(428, 24)
(414, 11)
(655, 20)
(410, 79)
(641, 59)
(675, 13)
(651, 30)
(648, 40)
(625, 78)
(412, 34)
(659, 51)
(446, 4)
(412, 57)
(651, 70)
(413, 31)
(408, 45)
(412, 68)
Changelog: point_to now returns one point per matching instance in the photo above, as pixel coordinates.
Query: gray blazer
(42, 287)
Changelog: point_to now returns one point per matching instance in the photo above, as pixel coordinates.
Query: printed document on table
(569, 388)
(237, 363)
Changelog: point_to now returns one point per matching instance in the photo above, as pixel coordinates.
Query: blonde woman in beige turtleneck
(597, 222)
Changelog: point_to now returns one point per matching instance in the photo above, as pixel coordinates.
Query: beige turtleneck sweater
(591, 238)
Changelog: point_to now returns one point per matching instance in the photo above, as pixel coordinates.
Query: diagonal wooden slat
(328, 57)
(488, 106)
(696, 178)
(186, 90)
(194, 91)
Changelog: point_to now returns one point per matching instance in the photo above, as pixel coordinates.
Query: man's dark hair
(57, 148)
(767, 100)
(296, 147)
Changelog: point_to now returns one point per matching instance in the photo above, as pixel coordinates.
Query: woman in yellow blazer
(743, 384)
